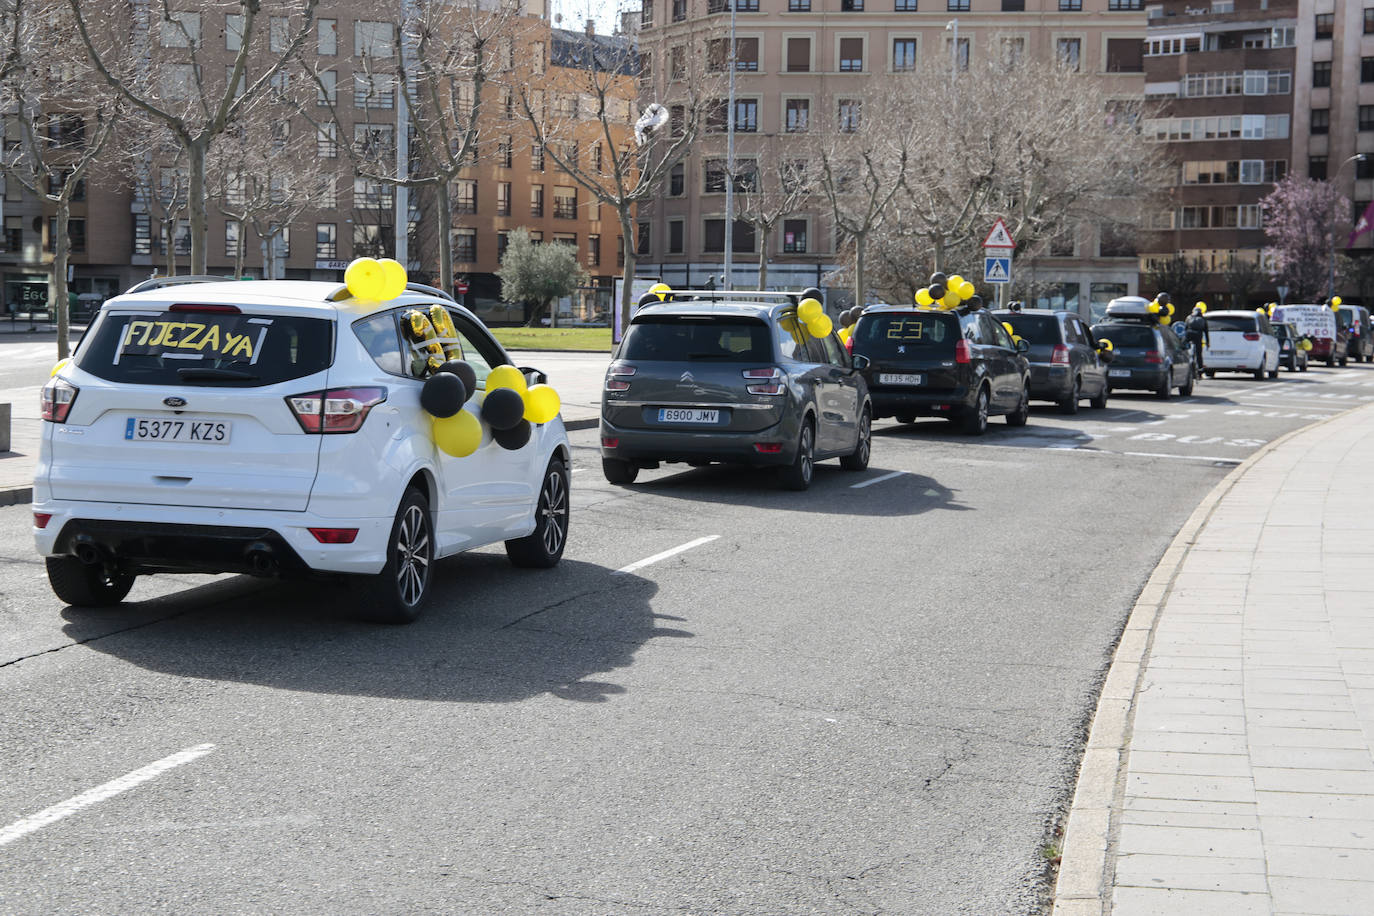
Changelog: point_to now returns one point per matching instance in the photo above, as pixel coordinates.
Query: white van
(1240, 341)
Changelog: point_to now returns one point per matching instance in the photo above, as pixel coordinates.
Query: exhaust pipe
(89, 553)
(263, 562)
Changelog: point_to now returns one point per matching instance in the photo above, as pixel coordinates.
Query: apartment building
(123, 230)
(1224, 77)
(788, 53)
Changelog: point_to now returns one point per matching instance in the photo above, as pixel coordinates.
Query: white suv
(275, 427)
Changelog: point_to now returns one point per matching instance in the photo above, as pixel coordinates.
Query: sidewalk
(576, 377)
(1230, 768)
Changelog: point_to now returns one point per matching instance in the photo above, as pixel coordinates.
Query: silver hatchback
(735, 378)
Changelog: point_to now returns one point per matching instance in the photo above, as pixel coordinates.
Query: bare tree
(1244, 277)
(62, 130)
(156, 59)
(592, 110)
(772, 183)
(1178, 276)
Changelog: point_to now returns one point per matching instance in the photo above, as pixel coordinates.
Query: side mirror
(1022, 345)
(533, 376)
(861, 361)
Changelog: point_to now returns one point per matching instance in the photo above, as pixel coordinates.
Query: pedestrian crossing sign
(997, 270)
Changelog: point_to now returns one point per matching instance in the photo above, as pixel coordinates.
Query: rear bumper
(1148, 378)
(647, 446)
(1050, 383)
(145, 539)
(1237, 362)
(918, 402)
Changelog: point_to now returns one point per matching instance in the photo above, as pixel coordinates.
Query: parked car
(275, 428)
(1318, 324)
(1146, 356)
(961, 365)
(1066, 361)
(1241, 341)
(731, 377)
(1291, 351)
(1354, 320)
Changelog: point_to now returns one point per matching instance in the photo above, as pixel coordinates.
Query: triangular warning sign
(997, 270)
(999, 237)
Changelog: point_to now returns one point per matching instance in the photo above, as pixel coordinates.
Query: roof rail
(160, 282)
(713, 295)
(431, 290)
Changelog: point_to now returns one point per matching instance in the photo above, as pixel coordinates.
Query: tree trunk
(859, 279)
(195, 201)
(445, 236)
(240, 251)
(764, 232)
(628, 273)
(61, 250)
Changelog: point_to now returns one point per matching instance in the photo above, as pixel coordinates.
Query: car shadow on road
(492, 634)
(1030, 436)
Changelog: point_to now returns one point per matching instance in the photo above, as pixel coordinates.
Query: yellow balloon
(1010, 329)
(1153, 308)
(1335, 307)
(1336, 300)
(845, 334)
(954, 282)
(951, 299)
(1306, 344)
(1165, 321)
(1105, 343)
(541, 403)
(458, 435)
(820, 326)
(365, 278)
(393, 278)
(1260, 310)
(1200, 305)
(923, 296)
(507, 377)
(966, 290)
(59, 366)
(808, 309)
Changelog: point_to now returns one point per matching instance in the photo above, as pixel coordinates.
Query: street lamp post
(953, 25)
(730, 160)
(1331, 276)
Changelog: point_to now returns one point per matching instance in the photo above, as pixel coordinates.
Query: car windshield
(1126, 335)
(1281, 331)
(206, 348)
(902, 333)
(1244, 323)
(680, 338)
(1034, 328)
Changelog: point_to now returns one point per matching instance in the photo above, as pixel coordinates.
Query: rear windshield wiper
(194, 372)
(710, 356)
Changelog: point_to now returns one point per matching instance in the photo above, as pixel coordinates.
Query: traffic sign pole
(997, 251)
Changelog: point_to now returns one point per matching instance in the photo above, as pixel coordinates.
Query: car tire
(1304, 366)
(975, 421)
(86, 584)
(1210, 373)
(1100, 401)
(1344, 360)
(543, 547)
(798, 474)
(857, 460)
(1331, 362)
(1069, 404)
(1166, 390)
(1186, 389)
(398, 593)
(1259, 373)
(619, 471)
(1022, 413)
(1274, 372)
(904, 418)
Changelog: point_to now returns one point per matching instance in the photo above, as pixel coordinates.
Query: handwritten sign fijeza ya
(231, 338)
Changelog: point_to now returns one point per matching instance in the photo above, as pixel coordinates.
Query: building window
(646, 13)
(644, 239)
(326, 37)
(326, 241)
(536, 157)
(327, 140)
(961, 56)
(593, 251)
(850, 115)
(465, 245)
(677, 180)
(851, 55)
(1070, 6)
(1364, 168)
(747, 54)
(905, 6)
(373, 39)
(182, 30)
(798, 55)
(852, 6)
(373, 91)
(713, 236)
(799, 6)
(233, 238)
(1013, 6)
(505, 148)
(679, 10)
(798, 115)
(746, 115)
(1321, 74)
(794, 236)
(1316, 168)
(957, 6)
(1367, 69)
(565, 203)
(1070, 53)
(502, 243)
(536, 200)
(1325, 25)
(598, 165)
(715, 175)
(14, 234)
(675, 236)
(503, 198)
(1366, 117)
(1321, 120)
(373, 195)
(465, 196)
(1369, 21)
(143, 234)
(1125, 55)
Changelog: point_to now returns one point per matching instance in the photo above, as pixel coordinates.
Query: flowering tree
(1303, 219)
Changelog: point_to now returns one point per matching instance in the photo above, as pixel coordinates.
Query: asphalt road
(868, 698)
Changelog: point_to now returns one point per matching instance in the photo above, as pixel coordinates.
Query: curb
(1085, 870)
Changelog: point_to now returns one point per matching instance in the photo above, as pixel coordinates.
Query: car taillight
(768, 448)
(338, 410)
(610, 441)
(1059, 355)
(773, 385)
(963, 353)
(56, 399)
(334, 535)
(41, 519)
(849, 343)
(616, 373)
(1251, 335)
(1154, 357)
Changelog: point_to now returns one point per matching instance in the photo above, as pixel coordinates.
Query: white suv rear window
(206, 348)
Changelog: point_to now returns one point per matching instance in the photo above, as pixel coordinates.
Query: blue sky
(576, 12)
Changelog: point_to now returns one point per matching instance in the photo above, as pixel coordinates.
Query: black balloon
(443, 394)
(937, 290)
(503, 408)
(938, 279)
(512, 438)
(463, 371)
(812, 292)
(648, 299)
(1162, 298)
(846, 318)
(973, 302)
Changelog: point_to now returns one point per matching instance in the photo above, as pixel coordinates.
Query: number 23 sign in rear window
(224, 338)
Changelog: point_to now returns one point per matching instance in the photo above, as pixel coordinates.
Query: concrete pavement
(1230, 767)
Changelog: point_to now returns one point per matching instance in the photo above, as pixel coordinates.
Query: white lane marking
(100, 793)
(1184, 457)
(664, 555)
(868, 483)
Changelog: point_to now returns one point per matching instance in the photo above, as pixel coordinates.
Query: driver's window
(834, 353)
(999, 334)
(789, 339)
